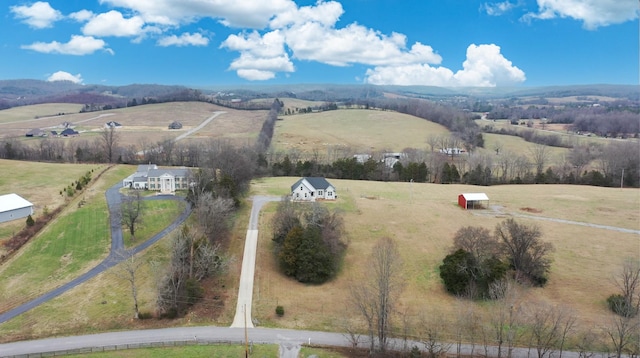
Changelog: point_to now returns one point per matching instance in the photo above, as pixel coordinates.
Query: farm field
(39, 183)
(423, 219)
(144, 124)
(352, 131)
(37, 113)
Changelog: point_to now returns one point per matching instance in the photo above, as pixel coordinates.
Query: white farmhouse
(312, 189)
(13, 207)
(164, 180)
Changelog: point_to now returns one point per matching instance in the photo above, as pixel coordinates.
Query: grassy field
(217, 350)
(36, 183)
(35, 113)
(142, 125)
(422, 218)
(353, 129)
(77, 240)
(517, 145)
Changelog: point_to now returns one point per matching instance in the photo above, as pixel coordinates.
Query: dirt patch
(531, 210)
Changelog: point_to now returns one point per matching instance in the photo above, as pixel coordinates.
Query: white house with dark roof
(312, 189)
(164, 180)
(13, 207)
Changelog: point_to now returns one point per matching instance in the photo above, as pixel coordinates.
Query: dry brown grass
(43, 111)
(359, 130)
(149, 123)
(423, 219)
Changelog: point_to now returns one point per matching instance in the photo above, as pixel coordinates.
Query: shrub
(620, 306)
(145, 315)
(280, 311)
(30, 221)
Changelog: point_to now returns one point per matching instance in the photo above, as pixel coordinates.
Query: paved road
(117, 252)
(245, 290)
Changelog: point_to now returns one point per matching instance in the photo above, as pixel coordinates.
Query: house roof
(13, 201)
(36, 132)
(156, 173)
(315, 182)
(475, 196)
(68, 131)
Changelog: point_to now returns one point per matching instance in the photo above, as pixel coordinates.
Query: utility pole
(246, 336)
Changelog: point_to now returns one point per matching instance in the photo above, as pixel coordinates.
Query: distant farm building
(473, 201)
(391, 159)
(453, 151)
(13, 207)
(175, 125)
(36, 132)
(69, 133)
(112, 124)
(312, 189)
(362, 158)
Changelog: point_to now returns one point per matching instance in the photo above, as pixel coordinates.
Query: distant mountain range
(26, 91)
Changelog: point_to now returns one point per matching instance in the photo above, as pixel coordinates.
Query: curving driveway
(114, 199)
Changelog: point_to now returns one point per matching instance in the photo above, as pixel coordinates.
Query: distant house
(164, 180)
(361, 158)
(175, 125)
(54, 133)
(36, 132)
(112, 124)
(66, 124)
(391, 159)
(452, 151)
(13, 207)
(473, 201)
(312, 189)
(69, 132)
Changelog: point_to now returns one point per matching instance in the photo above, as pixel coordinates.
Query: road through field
(116, 254)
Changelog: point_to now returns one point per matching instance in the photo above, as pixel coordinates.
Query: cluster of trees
(604, 119)
(480, 260)
(308, 239)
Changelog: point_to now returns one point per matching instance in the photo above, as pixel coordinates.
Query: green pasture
(24, 113)
(512, 145)
(214, 350)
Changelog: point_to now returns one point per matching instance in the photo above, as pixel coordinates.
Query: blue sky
(445, 43)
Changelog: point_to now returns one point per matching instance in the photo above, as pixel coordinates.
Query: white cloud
(233, 13)
(77, 45)
(82, 15)
(65, 76)
(260, 56)
(186, 39)
(39, 15)
(593, 13)
(497, 9)
(112, 23)
(485, 66)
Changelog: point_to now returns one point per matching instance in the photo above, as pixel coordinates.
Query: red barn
(473, 200)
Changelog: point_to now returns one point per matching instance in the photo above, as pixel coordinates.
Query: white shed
(13, 207)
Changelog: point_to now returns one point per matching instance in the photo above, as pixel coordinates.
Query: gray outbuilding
(13, 207)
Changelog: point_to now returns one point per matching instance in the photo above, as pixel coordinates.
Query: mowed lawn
(357, 130)
(40, 184)
(68, 246)
(423, 218)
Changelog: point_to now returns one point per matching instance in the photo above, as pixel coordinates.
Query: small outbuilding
(175, 125)
(312, 189)
(13, 207)
(473, 201)
(112, 124)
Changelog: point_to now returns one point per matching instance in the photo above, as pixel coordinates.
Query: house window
(320, 192)
(153, 186)
(330, 193)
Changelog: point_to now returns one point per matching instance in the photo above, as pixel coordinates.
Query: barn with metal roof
(13, 207)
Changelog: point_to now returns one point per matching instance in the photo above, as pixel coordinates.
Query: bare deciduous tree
(504, 315)
(127, 270)
(431, 335)
(540, 156)
(110, 140)
(628, 282)
(623, 333)
(375, 295)
(132, 209)
(528, 254)
(476, 240)
(550, 326)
